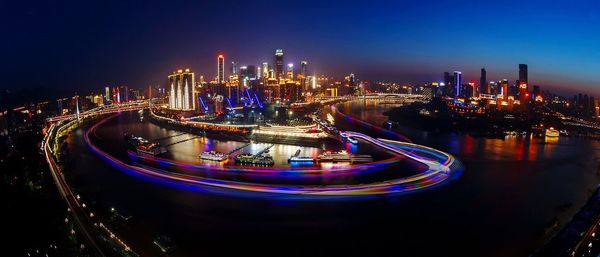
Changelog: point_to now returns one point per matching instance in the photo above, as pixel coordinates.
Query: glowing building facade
(457, 83)
(279, 63)
(182, 90)
(221, 69)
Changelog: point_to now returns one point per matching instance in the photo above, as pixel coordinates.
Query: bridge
(133, 106)
(390, 97)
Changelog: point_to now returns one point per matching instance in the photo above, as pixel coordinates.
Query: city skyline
(410, 48)
(292, 128)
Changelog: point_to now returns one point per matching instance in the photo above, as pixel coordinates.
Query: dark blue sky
(82, 46)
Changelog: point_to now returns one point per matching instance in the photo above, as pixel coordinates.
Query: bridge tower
(77, 106)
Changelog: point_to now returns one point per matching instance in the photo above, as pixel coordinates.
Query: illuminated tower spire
(77, 106)
(221, 69)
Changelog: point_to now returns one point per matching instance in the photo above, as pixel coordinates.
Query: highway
(80, 216)
(102, 110)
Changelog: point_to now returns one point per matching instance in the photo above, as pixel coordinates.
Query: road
(80, 216)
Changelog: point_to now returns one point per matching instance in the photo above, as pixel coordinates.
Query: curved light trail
(440, 168)
(370, 126)
(277, 170)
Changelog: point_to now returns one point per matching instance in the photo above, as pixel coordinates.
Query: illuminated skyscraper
(182, 90)
(504, 88)
(457, 82)
(234, 68)
(290, 71)
(279, 63)
(265, 70)
(107, 94)
(123, 94)
(303, 67)
(220, 69)
(471, 90)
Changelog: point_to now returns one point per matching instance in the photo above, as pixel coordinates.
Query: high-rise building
(504, 88)
(265, 70)
(116, 96)
(350, 85)
(123, 94)
(303, 68)
(290, 71)
(483, 85)
(182, 90)
(252, 72)
(107, 94)
(220, 69)
(457, 82)
(279, 63)
(448, 82)
(243, 72)
(234, 68)
(471, 90)
(523, 74)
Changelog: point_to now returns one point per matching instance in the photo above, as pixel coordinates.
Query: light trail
(80, 216)
(101, 111)
(440, 168)
(370, 126)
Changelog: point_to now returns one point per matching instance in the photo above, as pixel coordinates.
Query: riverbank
(574, 237)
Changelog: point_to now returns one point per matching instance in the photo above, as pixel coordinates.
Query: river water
(510, 190)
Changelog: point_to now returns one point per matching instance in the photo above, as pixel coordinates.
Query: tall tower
(182, 90)
(483, 85)
(448, 82)
(234, 68)
(457, 83)
(265, 70)
(220, 69)
(290, 71)
(303, 67)
(107, 94)
(77, 106)
(523, 74)
(504, 88)
(279, 73)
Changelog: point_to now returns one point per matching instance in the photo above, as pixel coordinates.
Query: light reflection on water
(509, 191)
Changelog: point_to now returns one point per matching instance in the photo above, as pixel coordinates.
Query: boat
(302, 159)
(551, 132)
(296, 158)
(361, 158)
(260, 159)
(143, 146)
(341, 156)
(151, 149)
(214, 156)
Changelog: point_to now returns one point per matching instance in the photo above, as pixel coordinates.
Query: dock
(181, 141)
(239, 148)
(264, 150)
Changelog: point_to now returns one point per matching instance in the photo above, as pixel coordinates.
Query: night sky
(81, 46)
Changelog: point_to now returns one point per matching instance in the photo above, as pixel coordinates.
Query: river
(510, 190)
